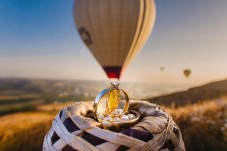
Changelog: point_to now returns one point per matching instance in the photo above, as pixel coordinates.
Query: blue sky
(38, 39)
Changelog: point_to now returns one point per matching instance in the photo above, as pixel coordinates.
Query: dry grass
(17, 97)
(204, 125)
(56, 106)
(24, 131)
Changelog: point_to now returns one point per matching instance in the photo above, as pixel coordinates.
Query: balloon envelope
(114, 30)
(162, 68)
(187, 72)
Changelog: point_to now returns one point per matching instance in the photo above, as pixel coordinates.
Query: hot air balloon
(187, 73)
(114, 30)
(161, 68)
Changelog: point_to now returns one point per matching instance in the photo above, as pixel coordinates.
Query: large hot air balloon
(114, 30)
(187, 73)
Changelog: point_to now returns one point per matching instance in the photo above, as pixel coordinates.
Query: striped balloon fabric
(74, 129)
(114, 30)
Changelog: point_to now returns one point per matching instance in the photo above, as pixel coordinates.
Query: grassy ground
(24, 131)
(204, 126)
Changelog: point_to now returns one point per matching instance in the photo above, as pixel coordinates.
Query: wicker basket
(74, 128)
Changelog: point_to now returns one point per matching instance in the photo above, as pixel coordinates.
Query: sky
(38, 39)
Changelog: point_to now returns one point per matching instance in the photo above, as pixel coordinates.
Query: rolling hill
(213, 90)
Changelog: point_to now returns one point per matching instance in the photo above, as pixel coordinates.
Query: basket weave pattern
(74, 129)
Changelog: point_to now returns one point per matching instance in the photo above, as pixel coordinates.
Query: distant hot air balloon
(161, 68)
(114, 30)
(187, 73)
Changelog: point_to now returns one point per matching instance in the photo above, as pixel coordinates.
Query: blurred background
(44, 66)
